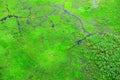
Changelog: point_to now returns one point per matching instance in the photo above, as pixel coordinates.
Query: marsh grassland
(59, 39)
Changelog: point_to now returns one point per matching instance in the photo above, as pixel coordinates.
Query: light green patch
(51, 59)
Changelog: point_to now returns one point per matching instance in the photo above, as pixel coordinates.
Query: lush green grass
(59, 40)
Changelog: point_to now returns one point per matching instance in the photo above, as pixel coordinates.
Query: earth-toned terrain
(59, 39)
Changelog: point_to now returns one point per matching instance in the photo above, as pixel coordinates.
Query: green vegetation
(59, 40)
